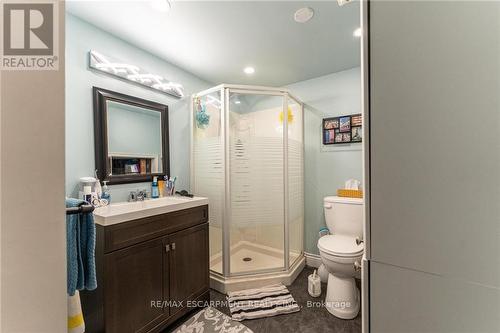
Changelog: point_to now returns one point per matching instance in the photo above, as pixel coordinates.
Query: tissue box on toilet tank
(342, 192)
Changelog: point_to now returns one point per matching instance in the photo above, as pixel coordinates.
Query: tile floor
(308, 320)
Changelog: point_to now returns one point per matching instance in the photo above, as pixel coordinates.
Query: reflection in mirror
(134, 139)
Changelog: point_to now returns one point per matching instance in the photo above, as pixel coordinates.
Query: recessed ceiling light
(303, 15)
(249, 70)
(357, 32)
(161, 5)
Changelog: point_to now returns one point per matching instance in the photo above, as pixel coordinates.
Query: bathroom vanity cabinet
(151, 271)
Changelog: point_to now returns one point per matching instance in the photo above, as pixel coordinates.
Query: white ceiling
(215, 40)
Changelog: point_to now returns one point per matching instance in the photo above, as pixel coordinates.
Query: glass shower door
(208, 173)
(256, 181)
(295, 148)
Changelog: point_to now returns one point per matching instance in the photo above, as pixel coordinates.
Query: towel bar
(80, 209)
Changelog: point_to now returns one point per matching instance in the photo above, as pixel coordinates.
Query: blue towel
(80, 234)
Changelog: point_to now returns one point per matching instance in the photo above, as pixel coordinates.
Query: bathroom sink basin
(127, 211)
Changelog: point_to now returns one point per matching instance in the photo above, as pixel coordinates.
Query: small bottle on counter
(87, 193)
(154, 188)
(105, 192)
(161, 188)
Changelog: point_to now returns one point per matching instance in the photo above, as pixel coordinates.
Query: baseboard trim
(312, 260)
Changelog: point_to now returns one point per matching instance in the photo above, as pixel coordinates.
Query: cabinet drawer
(129, 233)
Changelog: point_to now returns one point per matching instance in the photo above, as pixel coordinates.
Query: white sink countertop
(126, 211)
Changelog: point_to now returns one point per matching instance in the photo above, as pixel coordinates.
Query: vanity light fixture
(357, 32)
(161, 5)
(134, 74)
(249, 70)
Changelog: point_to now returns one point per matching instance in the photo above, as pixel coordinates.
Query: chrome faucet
(132, 196)
(138, 195)
(141, 195)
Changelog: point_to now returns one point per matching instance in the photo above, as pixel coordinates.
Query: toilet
(341, 254)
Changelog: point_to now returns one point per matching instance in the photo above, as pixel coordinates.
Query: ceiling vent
(303, 15)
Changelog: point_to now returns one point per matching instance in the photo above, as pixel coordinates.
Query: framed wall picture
(345, 124)
(342, 130)
(329, 136)
(356, 120)
(356, 134)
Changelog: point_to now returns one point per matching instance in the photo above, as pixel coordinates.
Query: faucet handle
(146, 194)
(132, 196)
(359, 240)
(141, 195)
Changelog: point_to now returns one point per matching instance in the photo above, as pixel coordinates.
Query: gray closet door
(435, 166)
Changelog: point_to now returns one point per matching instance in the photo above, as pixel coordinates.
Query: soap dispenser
(105, 192)
(154, 188)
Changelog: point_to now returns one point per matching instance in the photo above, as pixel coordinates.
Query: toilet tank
(344, 216)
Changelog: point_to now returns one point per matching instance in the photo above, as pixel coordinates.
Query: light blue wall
(326, 167)
(82, 37)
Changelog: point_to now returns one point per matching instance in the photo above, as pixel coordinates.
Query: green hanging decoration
(202, 117)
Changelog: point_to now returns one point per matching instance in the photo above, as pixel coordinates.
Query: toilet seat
(340, 246)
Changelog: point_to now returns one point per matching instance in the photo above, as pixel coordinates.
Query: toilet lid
(340, 245)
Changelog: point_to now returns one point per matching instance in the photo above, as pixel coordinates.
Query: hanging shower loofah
(202, 117)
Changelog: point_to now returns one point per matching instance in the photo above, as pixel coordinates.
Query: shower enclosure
(247, 158)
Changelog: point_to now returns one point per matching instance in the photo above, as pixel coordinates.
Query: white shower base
(263, 258)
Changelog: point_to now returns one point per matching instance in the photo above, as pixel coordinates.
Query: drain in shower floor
(247, 259)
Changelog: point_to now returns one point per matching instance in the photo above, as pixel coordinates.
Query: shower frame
(225, 90)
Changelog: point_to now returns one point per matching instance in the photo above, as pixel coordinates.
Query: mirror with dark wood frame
(131, 137)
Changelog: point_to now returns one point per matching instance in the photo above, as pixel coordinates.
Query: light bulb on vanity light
(357, 33)
(161, 5)
(249, 70)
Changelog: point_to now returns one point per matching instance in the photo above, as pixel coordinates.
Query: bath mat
(261, 302)
(210, 320)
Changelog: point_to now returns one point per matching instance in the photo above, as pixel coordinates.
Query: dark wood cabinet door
(189, 270)
(134, 279)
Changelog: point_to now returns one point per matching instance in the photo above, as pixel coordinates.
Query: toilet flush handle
(327, 205)
(359, 240)
(357, 266)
